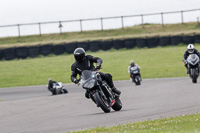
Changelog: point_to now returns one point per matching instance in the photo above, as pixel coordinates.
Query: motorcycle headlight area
(135, 72)
(89, 84)
(193, 62)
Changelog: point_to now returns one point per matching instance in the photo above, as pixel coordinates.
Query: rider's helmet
(190, 48)
(79, 54)
(50, 80)
(132, 63)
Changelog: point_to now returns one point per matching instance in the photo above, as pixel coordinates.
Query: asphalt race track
(34, 110)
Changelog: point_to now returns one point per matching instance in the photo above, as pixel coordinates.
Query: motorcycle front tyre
(65, 91)
(104, 105)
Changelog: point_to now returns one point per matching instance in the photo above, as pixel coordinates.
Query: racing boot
(115, 90)
(117, 93)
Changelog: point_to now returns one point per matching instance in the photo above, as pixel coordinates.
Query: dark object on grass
(33, 51)
(94, 46)
(164, 41)
(141, 42)
(84, 45)
(188, 39)
(21, 52)
(118, 44)
(175, 40)
(197, 39)
(1, 54)
(152, 42)
(106, 45)
(9, 53)
(70, 47)
(58, 49)
(45, 49)
(130, 43)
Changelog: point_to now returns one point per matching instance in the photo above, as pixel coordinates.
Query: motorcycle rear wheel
(118, 105)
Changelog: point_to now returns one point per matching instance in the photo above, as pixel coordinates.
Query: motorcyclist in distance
(190, 50)
(86, 62)
(132, 64)
(50, 86)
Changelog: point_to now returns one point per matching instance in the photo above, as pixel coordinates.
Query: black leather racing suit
(88, 64)
(50, 87)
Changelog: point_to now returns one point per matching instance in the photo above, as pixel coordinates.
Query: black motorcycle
(193, 67)
(100, 92)
(135, 75)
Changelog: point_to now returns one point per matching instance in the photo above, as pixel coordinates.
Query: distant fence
(149, 42)
(100, 22)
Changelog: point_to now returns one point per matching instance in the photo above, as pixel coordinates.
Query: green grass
(181, 124)
(128, 32)
(155, 63)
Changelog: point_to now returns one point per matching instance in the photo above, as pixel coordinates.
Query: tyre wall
(175, 40)
(129, 43)
(94, 46)
(188, 39)
(1, 54)
(118, 44)
(106, 45)
(58, 49)
(164, 41)
(141, 42)
(70, 47)
(21, 52)
(46, 49)
(84, 45)
(34, 51)
(9, 53)
(197, 39)
(152, 42)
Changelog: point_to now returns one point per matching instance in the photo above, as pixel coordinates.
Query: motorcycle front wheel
(102, 103)
(137, 81)
(65, 91)
(194, 78)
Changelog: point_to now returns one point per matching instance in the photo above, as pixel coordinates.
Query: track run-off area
(34, 110)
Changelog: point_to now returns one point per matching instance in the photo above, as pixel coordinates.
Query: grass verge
(181, 124)
(155, 63)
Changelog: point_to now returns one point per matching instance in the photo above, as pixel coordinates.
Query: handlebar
(97, 69)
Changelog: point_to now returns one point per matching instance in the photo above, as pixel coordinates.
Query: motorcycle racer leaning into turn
(85, 62)
(50, 86)
(132, 65)
(190, 50)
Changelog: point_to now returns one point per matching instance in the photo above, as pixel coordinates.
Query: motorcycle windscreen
(193, 59)
(134, 68)
(87, 79)
(86, 74)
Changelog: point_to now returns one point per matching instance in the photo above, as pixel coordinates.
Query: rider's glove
(98, 67)
(76, 81)
(185, 62)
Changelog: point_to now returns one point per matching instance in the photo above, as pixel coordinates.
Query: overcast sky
(27, 11)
